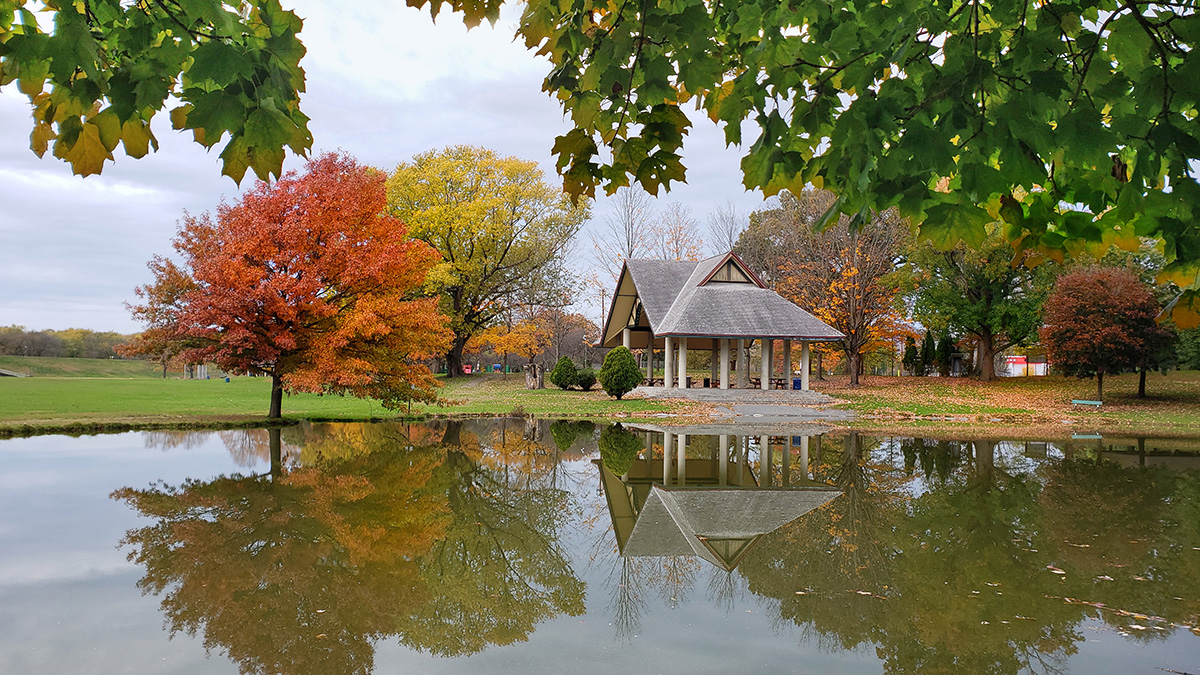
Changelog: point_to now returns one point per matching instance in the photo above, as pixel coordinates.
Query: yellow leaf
(109, 126)
(179, 116)
(135, 134)
(88, 154)
(40, 139)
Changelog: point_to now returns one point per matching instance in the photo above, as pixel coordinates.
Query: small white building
(716, 304)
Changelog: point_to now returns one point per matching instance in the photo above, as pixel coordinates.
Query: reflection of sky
(69, 602)
(68, 597)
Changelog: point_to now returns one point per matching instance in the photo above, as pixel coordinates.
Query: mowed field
(103, 392)
(49, 366)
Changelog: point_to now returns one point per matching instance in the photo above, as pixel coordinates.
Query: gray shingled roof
(672, 522)
(658, 283)
(678, 305)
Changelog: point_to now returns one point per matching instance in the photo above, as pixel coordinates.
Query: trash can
(797, 383)
(707, 383)
(687, 382)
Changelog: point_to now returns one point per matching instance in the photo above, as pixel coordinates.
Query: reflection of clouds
(63, 566)
(168, 440)
(252, 447)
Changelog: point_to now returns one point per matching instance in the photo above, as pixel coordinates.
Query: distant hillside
(50, 366)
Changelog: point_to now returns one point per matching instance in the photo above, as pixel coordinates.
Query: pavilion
(717, 304)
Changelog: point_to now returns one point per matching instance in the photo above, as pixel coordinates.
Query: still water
(513, 546)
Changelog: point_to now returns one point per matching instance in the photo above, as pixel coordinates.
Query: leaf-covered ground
(1172, 401)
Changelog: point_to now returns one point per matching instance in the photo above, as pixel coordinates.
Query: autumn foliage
(307, 281)
(1100, 320)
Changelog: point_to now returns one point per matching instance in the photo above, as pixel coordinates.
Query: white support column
(804, 365)
(787, 362)
(668, 362)
(668, 451)
(682, 362)
(626, 337)
(804, 456)
(764, 461)
(785, 467)
(765, 370)
(723, 458)
(681, 460)
(724, 363)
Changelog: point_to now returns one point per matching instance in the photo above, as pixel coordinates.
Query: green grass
(48, 366)
(1172, 401)
(43, 404)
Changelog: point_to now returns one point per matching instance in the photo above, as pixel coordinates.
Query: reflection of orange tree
(291, 575)
(302, 572)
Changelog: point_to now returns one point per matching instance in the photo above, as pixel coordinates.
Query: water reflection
(934, 555)
(377, 532)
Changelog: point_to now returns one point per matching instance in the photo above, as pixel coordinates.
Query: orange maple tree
(307, 281)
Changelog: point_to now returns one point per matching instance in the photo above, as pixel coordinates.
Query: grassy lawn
(48, 366)
(37, 404)
(1172, 401)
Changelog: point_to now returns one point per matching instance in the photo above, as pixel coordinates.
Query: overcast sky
(384, 83)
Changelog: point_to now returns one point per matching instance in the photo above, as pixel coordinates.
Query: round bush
(564, 374)
(618, 448)
(585, 379)
(620, 373)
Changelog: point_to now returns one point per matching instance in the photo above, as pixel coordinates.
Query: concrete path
(737, 408)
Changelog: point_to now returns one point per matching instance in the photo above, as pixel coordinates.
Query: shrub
(564, 374)
(619, 447)
(585, 379)
(620, 373)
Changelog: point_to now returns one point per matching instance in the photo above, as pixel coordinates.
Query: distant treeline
(72, 342)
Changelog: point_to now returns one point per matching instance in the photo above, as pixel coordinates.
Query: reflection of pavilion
(715, 507)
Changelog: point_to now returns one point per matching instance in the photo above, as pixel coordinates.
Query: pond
(520, 546)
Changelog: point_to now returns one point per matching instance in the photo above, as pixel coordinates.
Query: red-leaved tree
(1100, 320)
(307, 281)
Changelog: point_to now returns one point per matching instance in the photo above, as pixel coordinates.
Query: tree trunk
(1142, 382)
(273, 438)
(820, 368)
(164, 361)
(853, 364)
(276, 411)
(987, 358)
(454, 357)
(531, 378)
(1100, 385)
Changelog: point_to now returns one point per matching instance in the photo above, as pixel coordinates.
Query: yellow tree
(501, 229)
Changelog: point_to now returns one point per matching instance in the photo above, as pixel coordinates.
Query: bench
(1080, 401)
